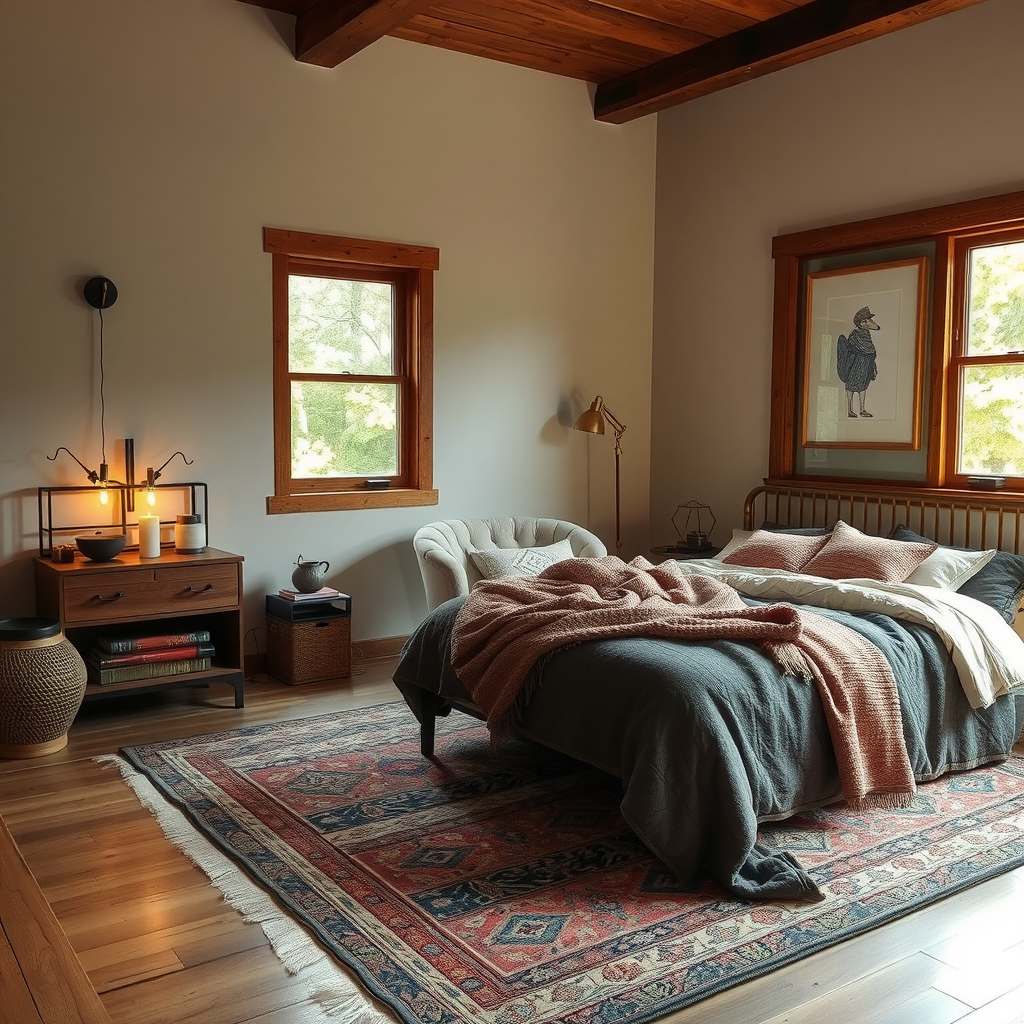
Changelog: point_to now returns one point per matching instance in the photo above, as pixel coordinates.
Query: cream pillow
(499, 562)
(949, 568)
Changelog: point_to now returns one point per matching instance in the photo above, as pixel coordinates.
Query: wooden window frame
(411, 268)
(944, 227)
(959, 359)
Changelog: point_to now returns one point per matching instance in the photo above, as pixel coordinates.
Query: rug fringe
(326, 981)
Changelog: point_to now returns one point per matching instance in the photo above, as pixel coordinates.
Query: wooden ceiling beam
(522, 52)
(817, 28)
(328, 32)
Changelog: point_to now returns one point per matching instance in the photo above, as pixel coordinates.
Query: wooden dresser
(171, 594)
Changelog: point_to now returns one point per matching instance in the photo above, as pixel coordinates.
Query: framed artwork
(863, 356)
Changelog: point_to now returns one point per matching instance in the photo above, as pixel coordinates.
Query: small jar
(189, 535)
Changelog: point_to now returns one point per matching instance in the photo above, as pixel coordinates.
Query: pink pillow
(850, 554)
(766, 549)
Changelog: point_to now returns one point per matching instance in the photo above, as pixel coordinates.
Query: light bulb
(150, 495)
(103, 495)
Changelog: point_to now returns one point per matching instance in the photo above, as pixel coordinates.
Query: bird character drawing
(856, 360)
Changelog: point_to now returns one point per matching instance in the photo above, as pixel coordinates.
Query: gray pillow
(802, 531)
(1000, 584)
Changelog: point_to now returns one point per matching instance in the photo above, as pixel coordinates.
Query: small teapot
(308, 577)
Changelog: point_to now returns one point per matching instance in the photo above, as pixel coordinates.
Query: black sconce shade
(100, 292)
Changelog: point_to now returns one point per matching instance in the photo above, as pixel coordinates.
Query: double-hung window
(352, 372)
(987, 378)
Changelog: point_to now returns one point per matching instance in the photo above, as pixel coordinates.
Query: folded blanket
(508, 627)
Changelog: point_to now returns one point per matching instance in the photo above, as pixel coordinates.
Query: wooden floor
(162, 947)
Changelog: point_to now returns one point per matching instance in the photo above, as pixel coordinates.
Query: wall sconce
(96, 476)
(101, 294)
(101, 477)
(152, 475)
(694, 532)
(592, 422)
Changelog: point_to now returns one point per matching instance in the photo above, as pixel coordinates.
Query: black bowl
(101, 547)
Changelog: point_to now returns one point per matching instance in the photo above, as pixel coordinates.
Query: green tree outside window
(992, 424)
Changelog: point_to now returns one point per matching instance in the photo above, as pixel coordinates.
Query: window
(988, 357)
(352, 372)
(971, 415)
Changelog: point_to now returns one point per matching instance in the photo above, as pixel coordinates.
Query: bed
(712, 736)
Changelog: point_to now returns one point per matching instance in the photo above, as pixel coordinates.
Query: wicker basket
(307, 652)
(42, 683)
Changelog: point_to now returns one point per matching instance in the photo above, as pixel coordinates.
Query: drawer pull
(113, 597)
(193, 590)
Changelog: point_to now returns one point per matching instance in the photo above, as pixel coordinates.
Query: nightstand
(308, 641)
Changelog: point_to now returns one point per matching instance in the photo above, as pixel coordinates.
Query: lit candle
(149, 536)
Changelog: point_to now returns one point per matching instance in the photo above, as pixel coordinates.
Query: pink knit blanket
(508, 626)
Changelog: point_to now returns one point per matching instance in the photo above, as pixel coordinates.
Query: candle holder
(190, 535)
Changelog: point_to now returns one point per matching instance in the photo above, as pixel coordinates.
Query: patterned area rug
(506, 888)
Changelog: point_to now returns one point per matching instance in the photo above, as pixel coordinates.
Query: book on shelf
(160, 654)
(323, 594)
(126, 644)
(152, 670)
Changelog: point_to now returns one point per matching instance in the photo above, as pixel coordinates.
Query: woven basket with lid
(42, 683)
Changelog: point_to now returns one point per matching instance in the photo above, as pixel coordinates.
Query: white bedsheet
(987, 653)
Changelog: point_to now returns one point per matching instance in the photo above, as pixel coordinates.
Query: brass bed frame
(973, 519)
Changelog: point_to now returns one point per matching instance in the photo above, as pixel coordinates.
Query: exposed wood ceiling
(643, 55)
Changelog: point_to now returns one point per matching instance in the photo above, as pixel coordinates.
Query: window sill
(335, 501)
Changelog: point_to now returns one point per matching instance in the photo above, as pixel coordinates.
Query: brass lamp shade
(592, 421)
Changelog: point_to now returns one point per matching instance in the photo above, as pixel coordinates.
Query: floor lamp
(592, 421)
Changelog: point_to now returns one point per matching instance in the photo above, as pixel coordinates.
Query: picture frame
(863, 346)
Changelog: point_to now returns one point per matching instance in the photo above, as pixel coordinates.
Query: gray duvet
(710, 738)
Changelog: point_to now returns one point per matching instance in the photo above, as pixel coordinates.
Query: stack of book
(118, 659)
(323, 594)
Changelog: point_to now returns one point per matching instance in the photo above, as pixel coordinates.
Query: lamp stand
(618, 518)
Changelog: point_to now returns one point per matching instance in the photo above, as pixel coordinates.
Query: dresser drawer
(122, 595)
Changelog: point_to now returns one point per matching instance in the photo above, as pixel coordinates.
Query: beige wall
(925, 116)
(151, 142)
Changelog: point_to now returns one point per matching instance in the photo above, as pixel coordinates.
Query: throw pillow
(950, 569)
(849, 554)
(499, 562)
(765, 549)
(999, 584)
(807, 531)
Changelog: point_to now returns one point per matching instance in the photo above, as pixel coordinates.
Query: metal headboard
(972, 520)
